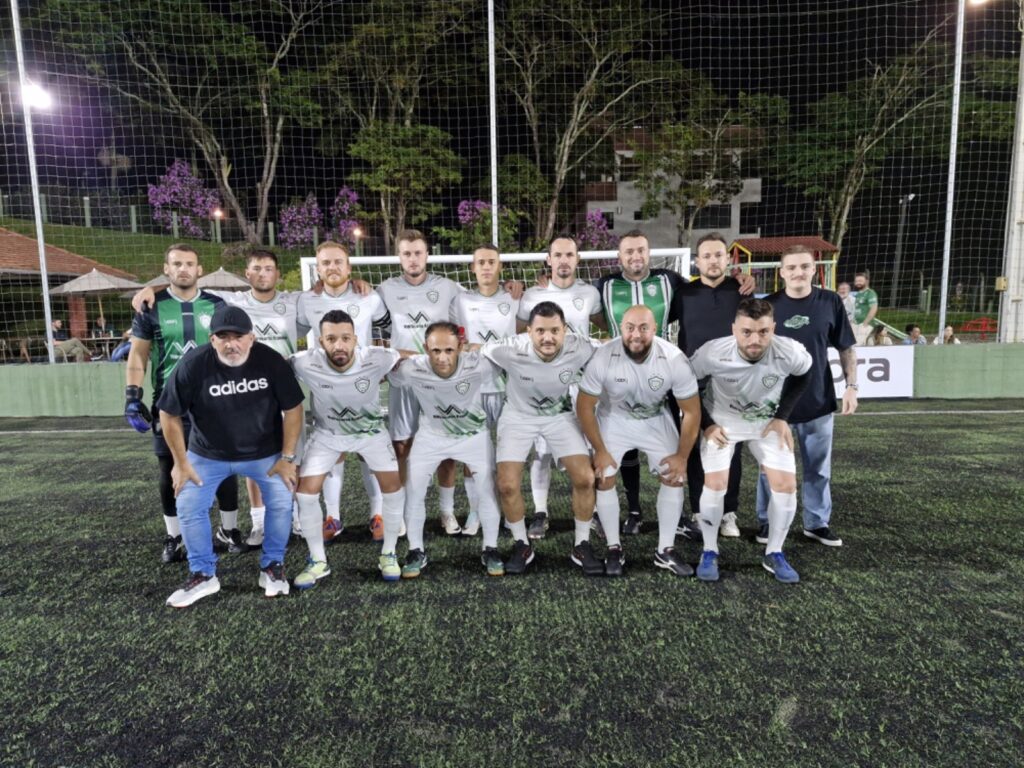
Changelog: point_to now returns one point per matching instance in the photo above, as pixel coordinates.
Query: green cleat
(492, 562)
(389, 568)
(415, 562)
(312, 573)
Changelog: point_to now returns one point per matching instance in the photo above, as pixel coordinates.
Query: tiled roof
(20, 255)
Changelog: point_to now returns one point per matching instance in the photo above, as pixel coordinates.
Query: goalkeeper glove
(135, 411)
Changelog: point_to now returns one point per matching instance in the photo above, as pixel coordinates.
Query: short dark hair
(260, 253)
(336, 316)
(709, 237)
(487, 247)
(442, 325)
(568, 237)
(635, 233)
(185, 247)
(911, 326)
(411, 234)
(546, 309)
(755, 309)
(789, 250)
(865, 274)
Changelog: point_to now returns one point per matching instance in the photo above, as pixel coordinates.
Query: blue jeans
(815, 440)
(194, 503)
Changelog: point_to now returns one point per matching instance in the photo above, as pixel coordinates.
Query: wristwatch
(853, 386)
(289, 457)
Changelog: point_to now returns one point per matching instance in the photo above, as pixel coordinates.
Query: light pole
(905, 202)
(357, 233)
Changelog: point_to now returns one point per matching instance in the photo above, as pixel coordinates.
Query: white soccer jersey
(637, 390)
(451, 407)
(743, 395)
(346, 403)
(487, 318)
(276, 323)
(365, 311)
(579, 301)
(536, 387)
(414, 307)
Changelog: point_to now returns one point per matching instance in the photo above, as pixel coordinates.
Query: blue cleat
(775, 563)
(707, 569)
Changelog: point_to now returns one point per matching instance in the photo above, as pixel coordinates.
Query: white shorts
(493, 403)
(429, 449)
(324, 449)
(657, 437)
(403, 413)
(765, 449)
(517, 433)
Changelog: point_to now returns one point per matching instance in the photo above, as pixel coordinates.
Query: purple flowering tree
(300, 221)
(475, 227)
(181, 191)
(344, 216)
(595, 235)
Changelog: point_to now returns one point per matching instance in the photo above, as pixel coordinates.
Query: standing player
(176, 321)
(580, 304)
(815, 317)
(486, 314)
(865, 307)
(756, 378)
(344, 384)
(453, 426)
(627, 380)
(542, 366)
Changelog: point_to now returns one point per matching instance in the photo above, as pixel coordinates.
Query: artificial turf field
(903, 648)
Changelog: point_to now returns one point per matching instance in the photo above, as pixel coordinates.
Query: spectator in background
(879, 337)
(100, 328)
(69, 346)
(914, 335)
(865, 307)
(849, 302)
(948, 337)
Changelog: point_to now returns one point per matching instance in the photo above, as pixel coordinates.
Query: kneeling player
(447, 384)
(756, 378)
(344, 385)
(626, 379)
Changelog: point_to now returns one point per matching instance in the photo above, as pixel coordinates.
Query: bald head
(638, 328)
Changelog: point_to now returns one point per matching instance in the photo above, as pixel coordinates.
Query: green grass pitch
(902, 648)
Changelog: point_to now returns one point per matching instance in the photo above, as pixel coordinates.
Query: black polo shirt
(705, 313)
(236, 412)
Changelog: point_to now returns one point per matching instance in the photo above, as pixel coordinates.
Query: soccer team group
(463, 365)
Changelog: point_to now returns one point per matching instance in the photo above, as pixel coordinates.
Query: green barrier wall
(97, 389)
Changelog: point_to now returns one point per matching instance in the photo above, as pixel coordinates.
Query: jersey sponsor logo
(362, 385)
(345, 414)
(177, 349)
(326, 386)
(565, 376)
(550, 405)
(353, 310)
(504, 307)
(797, 321)
(269, 331)
(578, 303)
(652, 290)
(620, 380)
(450, 412)
(169, 321)
(462, 387)
(643, 410)
(757, 411)
(281, 309)
(489, 336)
(769, 381)
(238, 387)
(419, 317)
(655, 383)
(433, 296)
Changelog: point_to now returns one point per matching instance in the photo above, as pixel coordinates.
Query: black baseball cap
(230, 319)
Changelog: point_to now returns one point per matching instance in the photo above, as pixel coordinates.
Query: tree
(694, 162)
(406, 164)
(209, 72)
(180, 192)
(581, 72)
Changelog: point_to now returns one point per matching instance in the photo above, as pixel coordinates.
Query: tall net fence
(288, 122)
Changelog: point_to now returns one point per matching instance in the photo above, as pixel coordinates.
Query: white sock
(446, 499)
(608, 514)
(414, 521)
(229, 519)
(332, 491)
(311, 522)
(373, 492)
(471, 495)
(392, 509)
(490, 519)
(518, 530)
(173, 525)
(257, 514)
(781, 510)
(582, 531)
(540, 482)
(712, 505)
(670, 507)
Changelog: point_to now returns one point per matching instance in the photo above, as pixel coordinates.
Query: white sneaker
(472, 526)
(450, 524)
(255, 538)
(729, 528)
(273, 581)
(195, 588)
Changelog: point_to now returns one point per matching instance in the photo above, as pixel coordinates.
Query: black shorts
(160, 447)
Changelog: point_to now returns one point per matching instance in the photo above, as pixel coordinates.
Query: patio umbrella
(95, 282)
(156, 284)
(224, 281)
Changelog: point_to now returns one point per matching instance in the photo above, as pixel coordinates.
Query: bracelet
(852, 386)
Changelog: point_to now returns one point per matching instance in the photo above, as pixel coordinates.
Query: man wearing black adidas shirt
(235, 390)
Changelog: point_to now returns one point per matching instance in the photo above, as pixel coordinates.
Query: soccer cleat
(377, 527)
(492, 562)
(522, 556)
(255, 538)
(670, 561)
(196, 587)
(389, 568)
(230, 538)
(707, 569)
(583, 556)
(824, 535)
(538, 526)
(614, 561)
(450, 524)
(632, 525)
(415, 562)
(312, 573)
(272, 579)
(762, 534)
(775, 563)
(689, 530)
(729, 529)
(174, 550)
(333, 528)
(472, 526)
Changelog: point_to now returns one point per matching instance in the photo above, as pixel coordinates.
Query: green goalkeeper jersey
(655, 291)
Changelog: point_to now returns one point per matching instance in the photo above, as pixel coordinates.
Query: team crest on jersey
(565, 376)
(504, 307)
(280, 308)
(797, 321)
(652, 290)
(578, 303)
(462, 387)
(353, 310)
(655, 383)
(204, 320)
(769, 381)
(433, 296)
(362, 385)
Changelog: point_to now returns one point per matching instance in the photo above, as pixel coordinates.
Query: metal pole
(1011, 300)
(904, 205)
(947, 242)
(34, 174)
(492, 86)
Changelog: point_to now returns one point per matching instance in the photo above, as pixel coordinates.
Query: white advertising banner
(881, 371)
